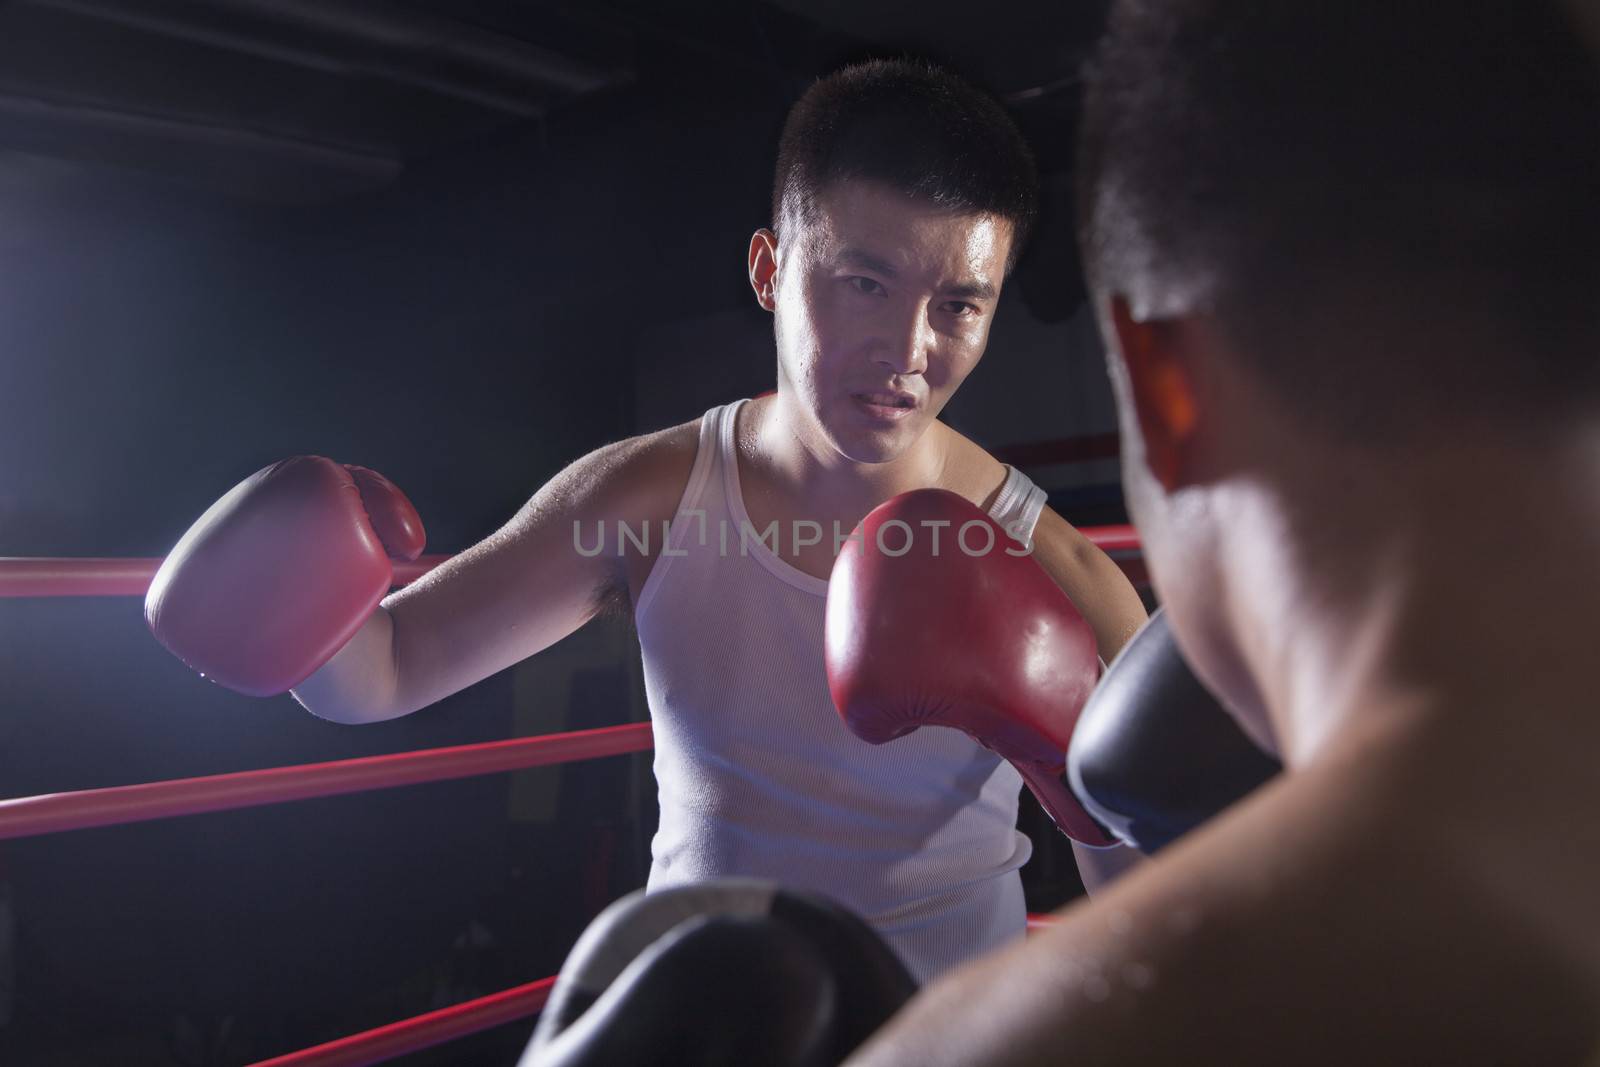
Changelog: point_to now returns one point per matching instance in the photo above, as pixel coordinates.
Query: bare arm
(1096, 584)
(1114, 611)
(515, 593)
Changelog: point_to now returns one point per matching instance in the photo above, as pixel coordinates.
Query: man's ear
(764, 268)
(1164, 391)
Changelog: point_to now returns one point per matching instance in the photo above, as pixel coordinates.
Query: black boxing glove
(1153, 753)
(729, 972)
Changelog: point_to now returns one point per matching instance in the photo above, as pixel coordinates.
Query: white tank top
(759, 777)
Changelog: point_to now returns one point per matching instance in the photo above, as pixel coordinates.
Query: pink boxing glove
(281, 572)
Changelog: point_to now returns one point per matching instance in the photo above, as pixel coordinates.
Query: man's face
(883, 306)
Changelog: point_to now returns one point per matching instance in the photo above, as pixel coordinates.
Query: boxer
(901, 199)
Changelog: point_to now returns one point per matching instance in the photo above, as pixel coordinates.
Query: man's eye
(866, 285)
(962, 308)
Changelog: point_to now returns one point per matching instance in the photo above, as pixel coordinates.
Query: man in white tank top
(902, 199)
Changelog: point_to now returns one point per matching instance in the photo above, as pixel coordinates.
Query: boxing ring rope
(53, 576)
(120, 805)
(45, 576)
(424, 1031)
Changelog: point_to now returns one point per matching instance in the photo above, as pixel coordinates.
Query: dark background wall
(212, 257)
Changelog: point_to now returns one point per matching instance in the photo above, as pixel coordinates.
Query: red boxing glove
(959, 629)
(281, 572)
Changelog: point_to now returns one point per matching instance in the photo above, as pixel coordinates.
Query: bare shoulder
(530, 583)
(635, 479)
(1300, 914)
(635, 483)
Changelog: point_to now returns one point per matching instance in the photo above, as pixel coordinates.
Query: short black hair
(1392, 205)
(918, 129)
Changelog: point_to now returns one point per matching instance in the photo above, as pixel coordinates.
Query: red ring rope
(447, 1024)
(424, 1031)
(48, 576)
(56, 812)
(103, 576)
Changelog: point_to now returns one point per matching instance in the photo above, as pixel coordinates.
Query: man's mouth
(887, 400)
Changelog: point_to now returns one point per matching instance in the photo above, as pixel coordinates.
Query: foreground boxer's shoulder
(1507, 783)
(1336, 916)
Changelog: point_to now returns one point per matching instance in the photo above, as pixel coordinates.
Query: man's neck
(808, 474)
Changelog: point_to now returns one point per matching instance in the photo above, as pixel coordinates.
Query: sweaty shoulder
(635, 481)
(641, 479)
(629, 480)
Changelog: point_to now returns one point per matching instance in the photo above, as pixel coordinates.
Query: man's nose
(910, 338)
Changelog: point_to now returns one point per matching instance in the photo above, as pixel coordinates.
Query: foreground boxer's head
(902, 198)
(1325, 241)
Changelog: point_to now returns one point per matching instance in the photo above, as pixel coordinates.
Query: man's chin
(876, 446)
